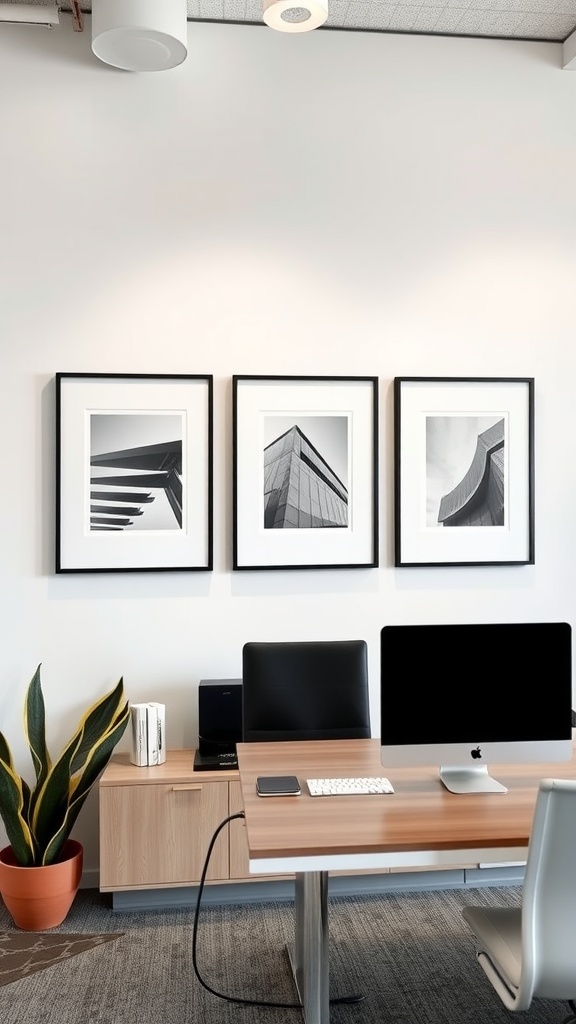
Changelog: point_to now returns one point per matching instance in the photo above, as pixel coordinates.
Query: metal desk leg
(309, 957)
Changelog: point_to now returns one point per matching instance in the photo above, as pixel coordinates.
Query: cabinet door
(158, 835)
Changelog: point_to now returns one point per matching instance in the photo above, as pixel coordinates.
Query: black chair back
(315, 690)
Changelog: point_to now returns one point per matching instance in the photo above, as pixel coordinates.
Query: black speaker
(219, 723)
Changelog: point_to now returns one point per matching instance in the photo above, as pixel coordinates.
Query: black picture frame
(463, 471)
(305, 472)
(113, 430)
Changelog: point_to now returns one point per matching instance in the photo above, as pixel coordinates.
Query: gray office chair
(529, 952)
(313, 690)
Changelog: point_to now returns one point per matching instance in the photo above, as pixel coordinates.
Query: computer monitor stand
(470, 779)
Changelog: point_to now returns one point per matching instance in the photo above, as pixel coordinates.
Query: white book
(152, 733)
(138, 734)
(160, 743)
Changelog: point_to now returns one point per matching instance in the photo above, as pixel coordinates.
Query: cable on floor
(221, 995)
(571, 1018)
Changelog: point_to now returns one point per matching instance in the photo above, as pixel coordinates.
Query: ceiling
(537, 20)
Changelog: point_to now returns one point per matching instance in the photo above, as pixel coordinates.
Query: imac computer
(462, 696)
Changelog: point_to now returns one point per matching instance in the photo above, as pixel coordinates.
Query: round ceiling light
(295, 15)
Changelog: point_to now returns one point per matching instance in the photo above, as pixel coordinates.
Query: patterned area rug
(23, 953)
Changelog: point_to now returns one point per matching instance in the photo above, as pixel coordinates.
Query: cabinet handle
(187, 787)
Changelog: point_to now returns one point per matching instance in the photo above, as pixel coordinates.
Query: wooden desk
(421, 823)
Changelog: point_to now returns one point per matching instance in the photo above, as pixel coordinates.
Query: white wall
(340, 203)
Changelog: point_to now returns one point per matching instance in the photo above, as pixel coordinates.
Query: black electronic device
(277, 785)
(219, 724)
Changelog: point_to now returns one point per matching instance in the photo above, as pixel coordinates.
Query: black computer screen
(490, 683)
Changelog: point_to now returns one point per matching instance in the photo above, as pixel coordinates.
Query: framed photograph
(464, 470)
(133, 472)
(305, 472)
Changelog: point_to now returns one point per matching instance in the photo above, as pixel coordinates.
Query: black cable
(240, 999)
(571, 1016)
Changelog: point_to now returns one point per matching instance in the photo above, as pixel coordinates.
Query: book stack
(148, 726)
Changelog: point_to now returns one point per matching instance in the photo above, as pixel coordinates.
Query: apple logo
(476, 753)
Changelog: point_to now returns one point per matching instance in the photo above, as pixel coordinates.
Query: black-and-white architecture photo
(135, 472)
(465, 470)
(306, 472)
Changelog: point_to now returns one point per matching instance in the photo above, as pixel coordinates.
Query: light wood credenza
(156, 824)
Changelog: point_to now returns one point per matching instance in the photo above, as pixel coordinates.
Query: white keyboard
(348, 787)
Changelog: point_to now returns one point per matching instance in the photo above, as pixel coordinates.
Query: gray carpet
(411, 955)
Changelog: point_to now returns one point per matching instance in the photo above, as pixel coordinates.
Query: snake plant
(38, 819)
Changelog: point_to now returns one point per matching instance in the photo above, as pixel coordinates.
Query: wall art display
(133, 472)
(464, 470)
(305, 472)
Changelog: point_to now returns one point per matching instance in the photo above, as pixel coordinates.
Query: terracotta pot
(40, 898)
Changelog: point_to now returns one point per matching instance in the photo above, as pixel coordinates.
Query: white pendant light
(140, 35)
(294, 16)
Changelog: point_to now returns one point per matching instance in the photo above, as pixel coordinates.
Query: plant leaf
(99, 757)
(60, 798)
(5, 752)
(97, 761)
(11, 810)
(39, 820)
(35, 727)
(97, 720)
(51, 804)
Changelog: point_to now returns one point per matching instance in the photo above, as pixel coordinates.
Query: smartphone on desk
(277, 785)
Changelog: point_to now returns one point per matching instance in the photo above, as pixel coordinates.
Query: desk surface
(421, 816)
